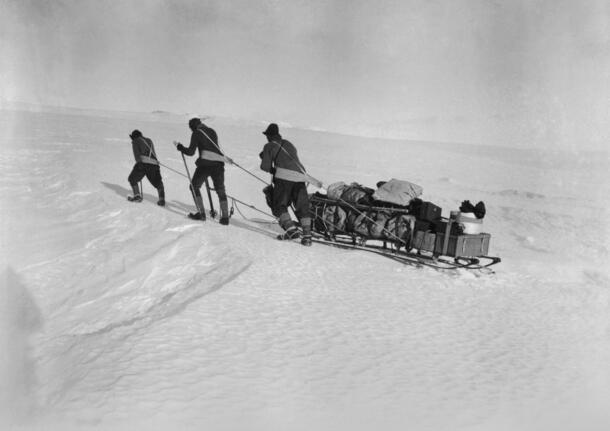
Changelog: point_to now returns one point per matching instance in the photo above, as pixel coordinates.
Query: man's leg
(136, 175)
(301, 210)
(197, 181)
(281, 200)
(161, 191)
(153, 173)
(218, 178)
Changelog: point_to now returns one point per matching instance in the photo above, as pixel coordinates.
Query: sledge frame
(394, 248)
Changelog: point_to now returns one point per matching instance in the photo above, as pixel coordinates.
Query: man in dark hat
(146, 165)
(211, 163)
(279, 158)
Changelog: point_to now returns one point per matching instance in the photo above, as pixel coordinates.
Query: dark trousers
(141, 170)
(217, 173)
(286, 193)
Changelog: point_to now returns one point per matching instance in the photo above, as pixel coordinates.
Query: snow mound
(130, 316)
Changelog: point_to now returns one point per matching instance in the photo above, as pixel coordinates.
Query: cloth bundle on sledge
(353, 193)
(362, 212)
(331, 218)
(397, 192)
(390, 193)
(395, 222)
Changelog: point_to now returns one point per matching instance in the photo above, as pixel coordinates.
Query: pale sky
(510, 72)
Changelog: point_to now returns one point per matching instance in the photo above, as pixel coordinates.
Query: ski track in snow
(142, 319)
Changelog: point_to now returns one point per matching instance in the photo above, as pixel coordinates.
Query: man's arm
(265, 156)
(136, 151)
(191, 148)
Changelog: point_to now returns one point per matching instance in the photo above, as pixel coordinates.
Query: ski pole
(207, 187)
(201, 210)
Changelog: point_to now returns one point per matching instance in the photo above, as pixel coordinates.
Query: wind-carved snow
(140, 318)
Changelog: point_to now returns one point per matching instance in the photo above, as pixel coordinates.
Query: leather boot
(224, 212)
(306, 225)
(137, 197)
(289, 226)
(161, 201)
(200, 214)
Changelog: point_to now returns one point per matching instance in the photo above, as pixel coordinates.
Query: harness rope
(315, 214)
(233, 199)
(232, 161)
(299, 164)
(342, 200)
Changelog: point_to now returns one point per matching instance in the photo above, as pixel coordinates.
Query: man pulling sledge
(146, 165)
(279, 158)
(211, 163)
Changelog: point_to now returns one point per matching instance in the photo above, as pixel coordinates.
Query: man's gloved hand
(179, 146)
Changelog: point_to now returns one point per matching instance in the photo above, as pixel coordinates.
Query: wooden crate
(424, 241)
(463, 245)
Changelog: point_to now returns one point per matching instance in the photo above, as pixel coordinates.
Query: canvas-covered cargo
(335, 190)
(371, 224)
(400, 227)
(331, 219)
(397, 192)
(356, 194)
(394, 230)
(378, 221)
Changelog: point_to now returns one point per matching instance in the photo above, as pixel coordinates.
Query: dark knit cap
(194, 122)
(135, 134)
(272, 130)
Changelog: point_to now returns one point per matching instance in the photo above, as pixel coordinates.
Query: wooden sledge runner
(445, 250)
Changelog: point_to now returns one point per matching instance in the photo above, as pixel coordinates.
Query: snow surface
(115, 315)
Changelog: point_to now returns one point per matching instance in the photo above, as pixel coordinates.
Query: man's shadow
(174, 206)
(182, 209)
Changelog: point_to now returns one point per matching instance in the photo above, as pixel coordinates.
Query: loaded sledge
(393, 221)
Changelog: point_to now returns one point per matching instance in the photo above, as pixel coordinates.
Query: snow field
(130, 316)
